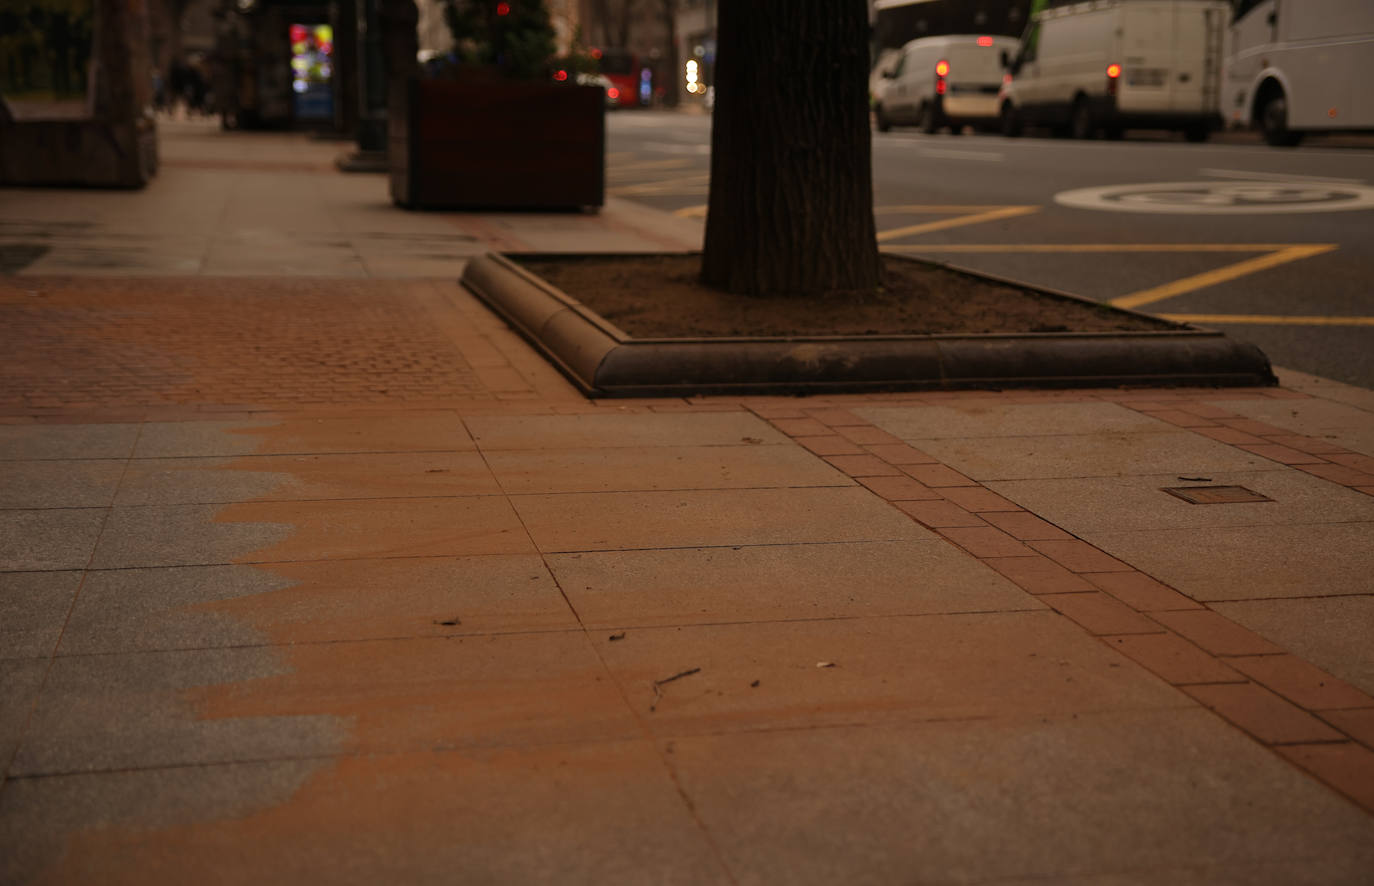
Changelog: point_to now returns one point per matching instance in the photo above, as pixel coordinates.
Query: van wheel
(1114, 133)
(930, 123)
(1082, 125)
(1011, 121)
(883, 124)
(1274, 122)
(1197, 133)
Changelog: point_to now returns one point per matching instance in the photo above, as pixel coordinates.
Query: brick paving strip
(1309, 717)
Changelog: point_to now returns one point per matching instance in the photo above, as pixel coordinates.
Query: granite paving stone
(53, 539)
(622, 589)
(606, 812)
(628, 520)
(102, 712)
(1331, 632)
(1139, 502)
(198, 607)
(33, 609)
(305, 477)
(584, 431)
(873, 670)
(60, 484)
(1253, 562)
(20, 682)
(1007, 420)
(1047, 799)
(419, 431)
(661, 467)
(42, 441)
(1091, 455)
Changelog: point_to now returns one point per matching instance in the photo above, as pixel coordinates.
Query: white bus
(1300, 66)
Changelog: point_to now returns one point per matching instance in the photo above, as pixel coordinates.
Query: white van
(1301, 66)
(943, 81)
(1111, 65)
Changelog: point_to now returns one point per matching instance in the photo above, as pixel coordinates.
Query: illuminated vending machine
(312, 72)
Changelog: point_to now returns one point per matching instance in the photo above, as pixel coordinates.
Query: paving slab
(60, 484)
(1332, 632)
(421, 431)
(1339, 423)
(103, 712)
(21, 679)
(33, 610)
(1044, 799)
(180, 535)
(35, 441)
(266, 532)
(586, 814)
(487, 691)
(873, 670)
(1139, 502)
(1091, 455)
(618, 589)
(41, 817)
(700, 518)
(1252, 562)
(310, 477)
(660, 467)
(1008, 420)
(584, 431)
(206, 606)
(53, 539)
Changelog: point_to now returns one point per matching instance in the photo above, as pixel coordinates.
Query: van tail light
(1113, 78)
(941, 72)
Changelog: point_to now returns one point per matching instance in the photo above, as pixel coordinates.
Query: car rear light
(561, 76)
(613, 92)
(1113, 78)
(1113, 71)
(942, 68)
(984, 41)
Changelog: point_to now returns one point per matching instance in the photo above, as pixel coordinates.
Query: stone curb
(604, 361)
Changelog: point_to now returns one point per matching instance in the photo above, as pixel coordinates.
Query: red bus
(622, 68)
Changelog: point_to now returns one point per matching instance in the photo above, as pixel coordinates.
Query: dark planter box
(496, 145)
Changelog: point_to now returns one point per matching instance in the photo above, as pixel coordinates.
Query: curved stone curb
(603, 361)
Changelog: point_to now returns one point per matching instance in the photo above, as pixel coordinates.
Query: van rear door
(1171, 55)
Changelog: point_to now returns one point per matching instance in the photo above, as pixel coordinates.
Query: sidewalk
(313, 571)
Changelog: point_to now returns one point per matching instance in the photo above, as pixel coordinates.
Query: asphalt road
(1273, 246)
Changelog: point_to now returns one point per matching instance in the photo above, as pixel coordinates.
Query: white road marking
(674, 148)
(955, 154)
(1276, 176)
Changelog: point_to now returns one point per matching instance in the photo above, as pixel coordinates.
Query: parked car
(951, 81)
(1111, 65)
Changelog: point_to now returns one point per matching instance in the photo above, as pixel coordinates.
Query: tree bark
(791, 204)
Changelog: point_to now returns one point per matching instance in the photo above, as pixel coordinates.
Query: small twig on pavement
(657, 683)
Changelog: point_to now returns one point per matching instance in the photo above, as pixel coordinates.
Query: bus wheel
(1274, 122)
(1011, 121)
(883, 124)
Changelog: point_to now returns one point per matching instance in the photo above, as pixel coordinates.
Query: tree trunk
(791, 205)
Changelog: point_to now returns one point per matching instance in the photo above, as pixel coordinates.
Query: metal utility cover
(1215, 495)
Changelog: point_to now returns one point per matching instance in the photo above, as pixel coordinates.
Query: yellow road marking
(1222, 275)
(647, 165)
(691, 211)
(941, 209)
(687, 184)
(1269, 319)
(1089, 247)
(957, 222)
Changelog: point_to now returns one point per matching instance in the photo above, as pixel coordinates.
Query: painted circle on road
(1222, 198)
